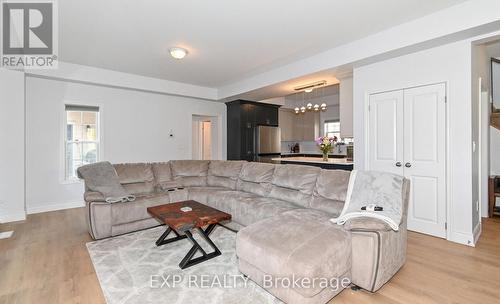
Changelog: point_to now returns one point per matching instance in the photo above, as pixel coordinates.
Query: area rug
(132, 269)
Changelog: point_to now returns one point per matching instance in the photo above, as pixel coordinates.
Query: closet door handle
(398, 164)
(407, 165)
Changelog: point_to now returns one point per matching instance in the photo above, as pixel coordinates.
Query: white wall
(480, 81)
(12, 149)
(450, 63)
(135, 127)
(345, 108)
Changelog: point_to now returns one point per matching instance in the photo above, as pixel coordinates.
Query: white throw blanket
(371, 187)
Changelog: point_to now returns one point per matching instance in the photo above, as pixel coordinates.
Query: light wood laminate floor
(46, 261)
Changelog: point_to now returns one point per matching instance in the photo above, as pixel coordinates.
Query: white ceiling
(228, 40)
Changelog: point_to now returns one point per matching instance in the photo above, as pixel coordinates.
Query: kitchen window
(332, 128)
(81, 141)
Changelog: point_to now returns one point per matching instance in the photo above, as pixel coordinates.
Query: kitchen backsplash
(310, 147)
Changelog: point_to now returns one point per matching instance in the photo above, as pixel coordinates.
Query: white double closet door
(407, 136)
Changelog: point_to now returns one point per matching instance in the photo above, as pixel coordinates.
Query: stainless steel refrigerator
(267, 143)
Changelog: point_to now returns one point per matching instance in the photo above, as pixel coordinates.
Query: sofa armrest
(377, 252)
(98, 216)
(93, 196)
(376, 256)
(366, 223)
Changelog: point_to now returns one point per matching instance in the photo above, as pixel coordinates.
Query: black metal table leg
(188, 260)
(163, 238)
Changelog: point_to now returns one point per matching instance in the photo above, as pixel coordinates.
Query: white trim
(461, 238)
(219, 140)
(477, 232)
(13, 217)
(62, 139)
(54, 207)
(97, 76)
(366, 118)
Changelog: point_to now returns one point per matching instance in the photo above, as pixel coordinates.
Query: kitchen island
(332, 163)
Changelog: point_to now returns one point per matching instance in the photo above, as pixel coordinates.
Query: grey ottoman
(298, 256)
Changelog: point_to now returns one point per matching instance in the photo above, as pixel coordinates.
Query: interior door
(425, 157)
(386, 132)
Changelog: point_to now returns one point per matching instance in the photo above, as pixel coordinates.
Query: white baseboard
(462, 238)
(12, 217)
(54, 207)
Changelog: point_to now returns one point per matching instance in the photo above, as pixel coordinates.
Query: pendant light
(306, 104)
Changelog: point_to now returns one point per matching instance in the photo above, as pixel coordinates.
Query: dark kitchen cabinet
(242, 119)
(266, 115)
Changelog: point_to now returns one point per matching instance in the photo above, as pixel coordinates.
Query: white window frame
(64, 178)
(331, 121)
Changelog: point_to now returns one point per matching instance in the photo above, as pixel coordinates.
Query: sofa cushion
(330, 191)
(190, 173)
(256, 178)
(201, 194)
(247, 208)
(137, 178)
(302, 243)
(294, 183)
(122, 213)
(163, 177)
(224, 173)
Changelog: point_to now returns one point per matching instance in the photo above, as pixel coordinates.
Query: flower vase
(325, 156)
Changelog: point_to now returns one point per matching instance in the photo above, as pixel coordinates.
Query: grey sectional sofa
(281, 213)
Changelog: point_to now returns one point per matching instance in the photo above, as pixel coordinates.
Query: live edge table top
(200, 216)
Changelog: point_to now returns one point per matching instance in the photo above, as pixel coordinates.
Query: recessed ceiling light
(178, 52)
(308, 90)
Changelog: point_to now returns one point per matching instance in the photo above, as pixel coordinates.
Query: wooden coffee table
(184, 222)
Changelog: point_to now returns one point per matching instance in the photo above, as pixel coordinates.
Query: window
(82, 138)
(332, 128)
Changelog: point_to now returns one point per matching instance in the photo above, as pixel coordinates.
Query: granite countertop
(318, 160)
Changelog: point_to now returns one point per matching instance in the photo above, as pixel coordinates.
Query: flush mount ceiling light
(178, 52)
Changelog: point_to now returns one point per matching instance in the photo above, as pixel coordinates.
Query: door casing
(367, 156)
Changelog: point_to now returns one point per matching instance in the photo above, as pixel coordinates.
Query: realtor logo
(28, 34)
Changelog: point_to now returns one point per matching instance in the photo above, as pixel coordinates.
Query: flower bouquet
(326, 145)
